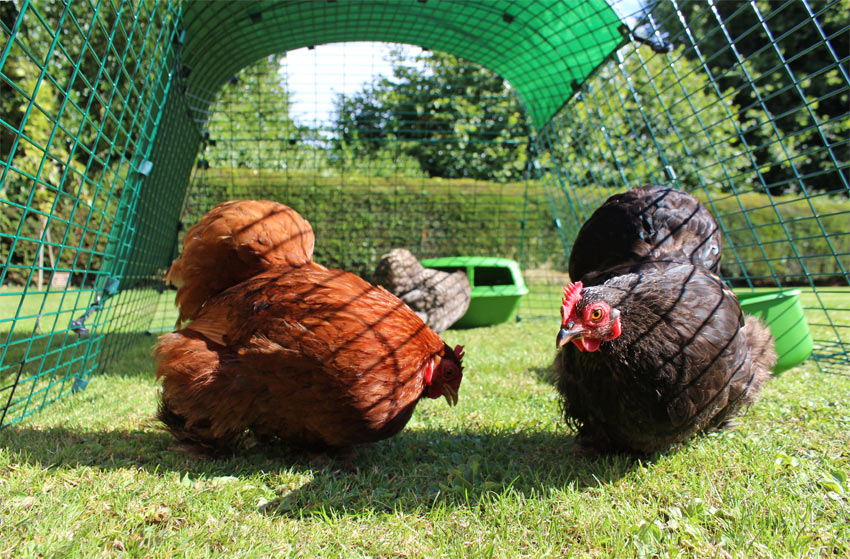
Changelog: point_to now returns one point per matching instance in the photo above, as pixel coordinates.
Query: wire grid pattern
(82, 85)
(124, 92)
(545, 48)
(361, 207)
(758, 132)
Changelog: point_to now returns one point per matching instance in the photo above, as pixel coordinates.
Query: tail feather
(761, 352)
(196, 438)
(233, 242)
(761, 356)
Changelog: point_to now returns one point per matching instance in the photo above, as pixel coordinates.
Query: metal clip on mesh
(79, 325)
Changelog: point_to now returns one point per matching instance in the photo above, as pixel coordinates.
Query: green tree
(250, 122)
(78, 84)
(456, 118)
(646, 118)
(787, 63)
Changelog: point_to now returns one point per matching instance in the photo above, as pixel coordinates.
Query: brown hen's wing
(650, 222)
(232, 242)
(315, 357)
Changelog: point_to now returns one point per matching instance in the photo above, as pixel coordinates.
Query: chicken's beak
(450, 394)
(568, 333)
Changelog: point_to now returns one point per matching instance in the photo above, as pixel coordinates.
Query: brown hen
(232, 242)
(307, 356)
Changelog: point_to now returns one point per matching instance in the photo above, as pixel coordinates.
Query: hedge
(357, 218)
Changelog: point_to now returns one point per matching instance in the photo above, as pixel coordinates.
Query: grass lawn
(94, 475)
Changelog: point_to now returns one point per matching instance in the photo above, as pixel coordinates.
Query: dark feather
(644, 224)
(687, 358)
(682, 363)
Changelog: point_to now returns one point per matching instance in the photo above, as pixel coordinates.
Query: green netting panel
(544, 48)
(371, 181)
(105, 107)
(748, 111)
(91, 203)
(83, 85)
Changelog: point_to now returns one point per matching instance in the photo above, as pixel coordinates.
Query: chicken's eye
(596, 314)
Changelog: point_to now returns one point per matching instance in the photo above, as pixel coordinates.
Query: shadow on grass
(545, 375)
(417, 469)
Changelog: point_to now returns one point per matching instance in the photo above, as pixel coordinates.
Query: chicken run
(499, 129)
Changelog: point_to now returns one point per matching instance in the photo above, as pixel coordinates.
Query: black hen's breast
(687, 359)
(644, 224)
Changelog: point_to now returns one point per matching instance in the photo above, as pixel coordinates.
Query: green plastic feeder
(783, 314)
(497, 287)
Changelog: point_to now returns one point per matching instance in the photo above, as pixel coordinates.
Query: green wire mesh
(544, 48)
(747, 110)
(122, 122)
(366, 194)
(83, 86)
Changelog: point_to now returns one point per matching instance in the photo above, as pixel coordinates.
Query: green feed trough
(497, 287)
(783, 314)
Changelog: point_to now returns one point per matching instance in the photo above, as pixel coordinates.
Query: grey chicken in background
(439, 298)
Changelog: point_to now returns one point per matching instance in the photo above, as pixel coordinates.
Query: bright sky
(316, 75)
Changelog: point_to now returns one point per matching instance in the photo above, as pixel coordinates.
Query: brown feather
(232, 242)
(310, 356)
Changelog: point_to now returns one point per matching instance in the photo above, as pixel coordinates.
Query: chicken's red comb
(572, 295)
(459, 353)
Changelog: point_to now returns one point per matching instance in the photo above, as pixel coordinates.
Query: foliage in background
(358, 218)
(67, 132)
(648, 116)
(250, 126)
(703, 117)
(783, 76)
(95, 117)
(813, 244)
(456, 118)
(643, 116)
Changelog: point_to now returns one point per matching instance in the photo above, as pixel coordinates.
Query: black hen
(660, 348)
(641, 225)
